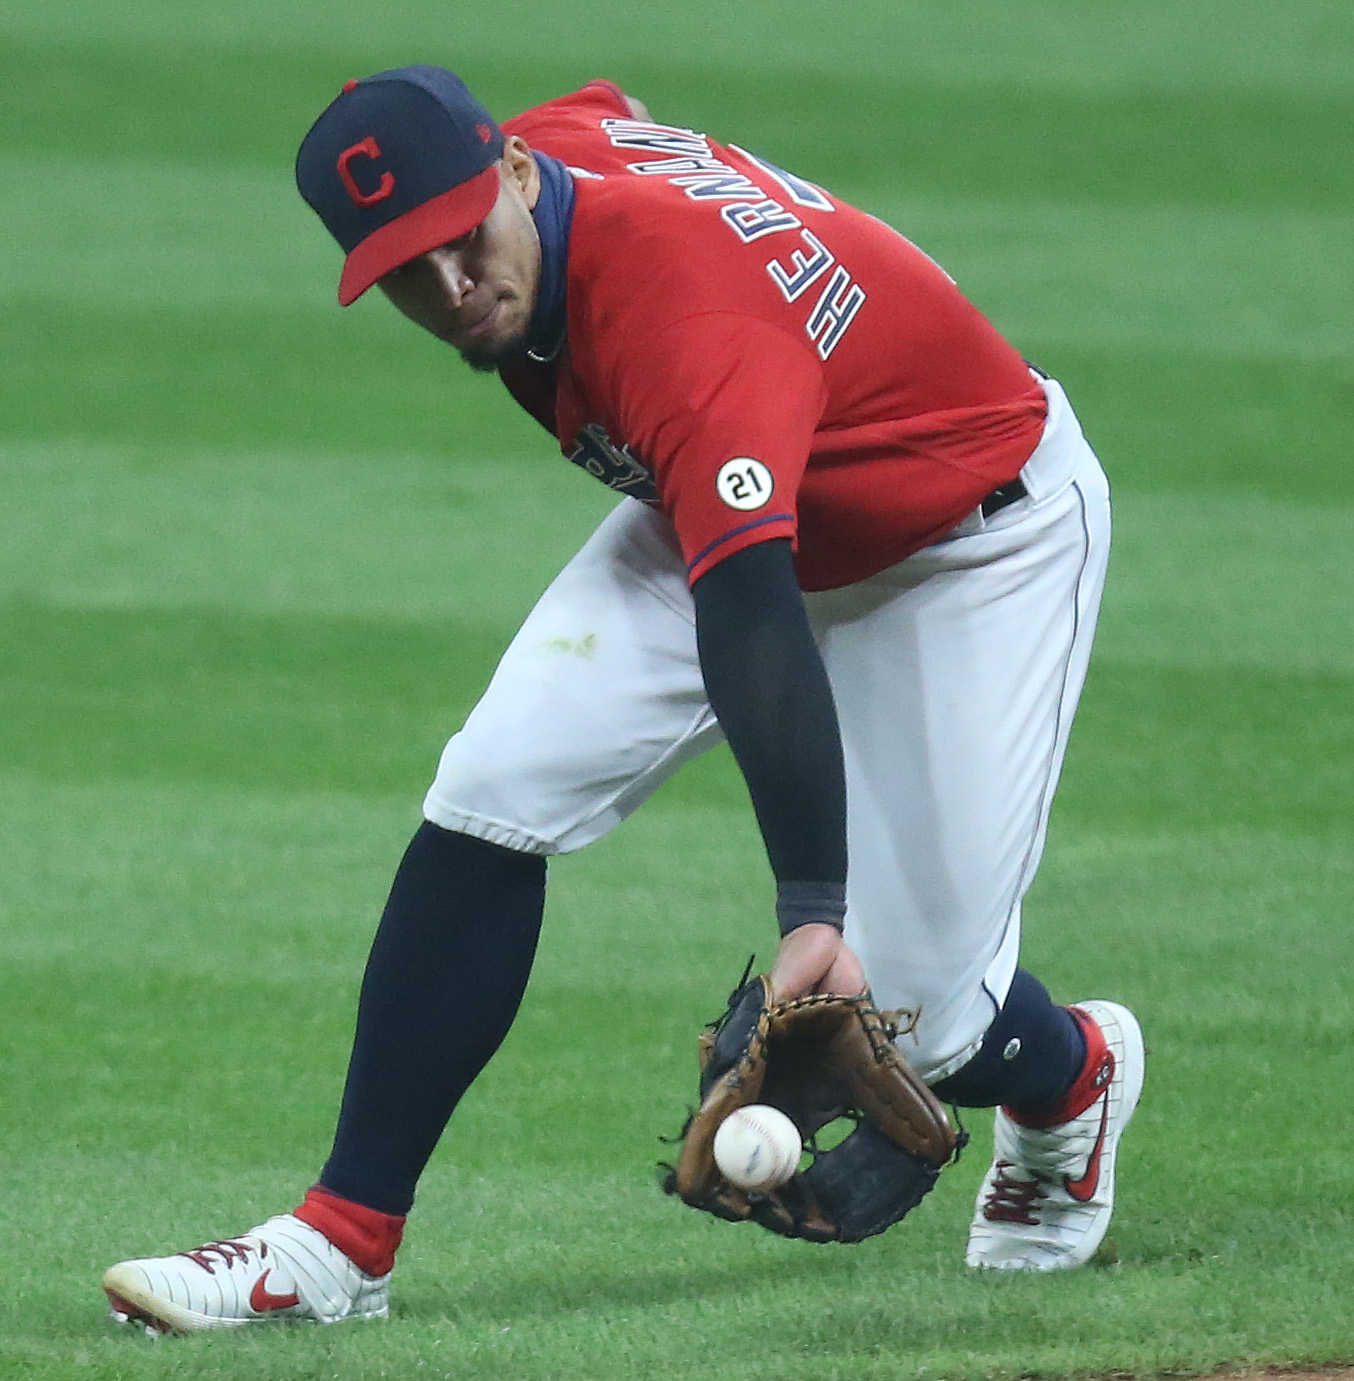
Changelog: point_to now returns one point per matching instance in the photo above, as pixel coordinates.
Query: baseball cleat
(283, 1269)
(1046, 1201)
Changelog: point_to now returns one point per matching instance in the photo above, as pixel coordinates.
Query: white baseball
(757, 1147)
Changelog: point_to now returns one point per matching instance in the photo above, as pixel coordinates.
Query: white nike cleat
(1046, 1201)
(283, 1269)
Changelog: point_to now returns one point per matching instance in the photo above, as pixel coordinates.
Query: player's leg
(1048, 1195)
(443, 983)
(957, 675)
(596, 702)
(446, 973)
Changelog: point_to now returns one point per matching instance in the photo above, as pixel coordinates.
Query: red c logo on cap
(368, 148)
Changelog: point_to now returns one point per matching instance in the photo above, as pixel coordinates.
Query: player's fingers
(846, 974)
(805, 958)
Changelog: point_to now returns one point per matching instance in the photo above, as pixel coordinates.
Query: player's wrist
(810, 903)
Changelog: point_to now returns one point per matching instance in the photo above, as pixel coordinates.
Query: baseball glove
(817, 1059)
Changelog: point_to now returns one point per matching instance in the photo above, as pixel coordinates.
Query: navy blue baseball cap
(399, 163)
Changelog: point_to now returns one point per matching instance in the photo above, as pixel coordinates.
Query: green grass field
(257, 557)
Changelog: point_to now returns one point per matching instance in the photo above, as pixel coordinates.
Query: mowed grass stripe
(302, 703)
(220, 881)
(933, 134)
(356, 382)
(407, 535)
(518, 1247)
(220, 884)
(1230, 280)
(164, 388)
(128, 232)
(364, 705)
(1200, 578)
(555, 1301)
(1197, 428)
(1155, 44)
(257, 959)
(1208, 582)
(1266, 283)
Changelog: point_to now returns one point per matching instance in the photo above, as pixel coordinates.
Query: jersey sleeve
(766, 683)
(723, 407)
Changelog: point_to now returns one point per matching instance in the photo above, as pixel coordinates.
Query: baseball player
(856, 535)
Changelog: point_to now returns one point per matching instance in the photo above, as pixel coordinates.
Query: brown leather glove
(817, 1059)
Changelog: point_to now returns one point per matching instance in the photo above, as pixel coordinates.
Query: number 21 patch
(744, 483)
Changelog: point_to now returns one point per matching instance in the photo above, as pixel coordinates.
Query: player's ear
(520, 166)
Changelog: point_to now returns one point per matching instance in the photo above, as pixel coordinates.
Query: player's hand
(815, 959)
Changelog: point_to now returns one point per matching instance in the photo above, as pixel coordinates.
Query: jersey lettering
(708, 186)
(614, 465)
(836, 309)
(750, 221)
(687, 160)
(642, 134)
(800, 192)
(665, 167)
(806, 270)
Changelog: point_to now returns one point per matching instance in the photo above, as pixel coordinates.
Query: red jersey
(762, 360)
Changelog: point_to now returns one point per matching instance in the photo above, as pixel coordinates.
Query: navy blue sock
(1030, 1057)
(446, 974)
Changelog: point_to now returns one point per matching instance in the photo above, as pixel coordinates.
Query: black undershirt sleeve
(768, 687)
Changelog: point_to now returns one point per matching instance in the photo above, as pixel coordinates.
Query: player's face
(477, 293)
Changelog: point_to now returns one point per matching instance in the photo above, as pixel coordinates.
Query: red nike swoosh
(262, 1302)
(1083, 1189)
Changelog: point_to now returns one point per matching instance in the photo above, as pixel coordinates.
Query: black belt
(998, 499)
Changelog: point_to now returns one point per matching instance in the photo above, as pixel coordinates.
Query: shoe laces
(230, 1251)
(1012, 1200)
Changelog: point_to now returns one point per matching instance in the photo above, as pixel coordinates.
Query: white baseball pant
(956, 674)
